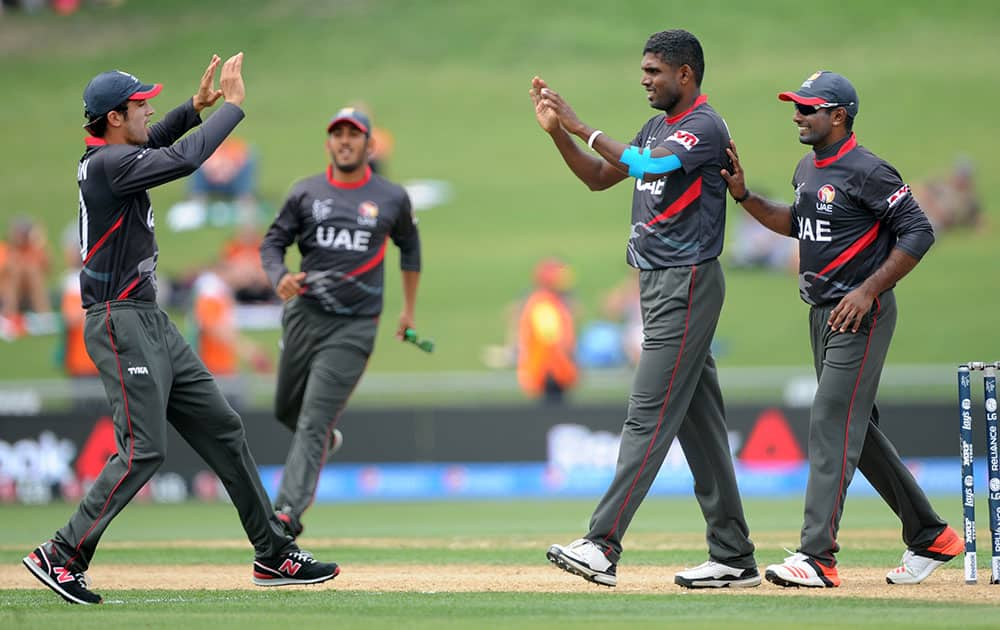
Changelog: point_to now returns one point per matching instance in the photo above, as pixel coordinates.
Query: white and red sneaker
(799, 569)
(916, 566)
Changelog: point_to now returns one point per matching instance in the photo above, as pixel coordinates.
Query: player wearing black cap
(342, 220)
(859, 231)
(150, 373)
(678, 223)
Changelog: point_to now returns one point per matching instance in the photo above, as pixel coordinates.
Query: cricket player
(342, 219)
(860, 231)
(150, 373)
(677, 228)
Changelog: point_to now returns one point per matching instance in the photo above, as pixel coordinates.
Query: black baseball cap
(354, 116)
(825, 89)
(110, 89)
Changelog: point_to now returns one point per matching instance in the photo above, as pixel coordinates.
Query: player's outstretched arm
(596, 173)
(777, 217)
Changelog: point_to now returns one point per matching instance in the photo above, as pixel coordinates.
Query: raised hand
(231, 80)
(550, 99)
(546, 116)
(207, 95)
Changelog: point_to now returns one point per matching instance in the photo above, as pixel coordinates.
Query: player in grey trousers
(860, 231)
(149, 371)
(342, 220)
(678, 222)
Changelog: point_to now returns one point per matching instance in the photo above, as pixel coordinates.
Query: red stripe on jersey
(371, 263)
(128, 289)
(91, 141)
(866, 239)
(698, 101)
(850, 144)
(685, 200)
(348, 185)
(101, 240)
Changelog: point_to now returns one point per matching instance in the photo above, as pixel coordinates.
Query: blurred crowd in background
(62, 7)
(546, 342)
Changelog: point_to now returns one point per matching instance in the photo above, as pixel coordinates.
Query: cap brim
(146, 92)
(801, 100)
(333, 122)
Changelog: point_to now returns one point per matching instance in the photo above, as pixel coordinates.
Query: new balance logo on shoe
(71, 586)
(294, 567)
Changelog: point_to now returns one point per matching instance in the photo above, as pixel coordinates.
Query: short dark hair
(849, 123)
(97, 127)
(678, 47)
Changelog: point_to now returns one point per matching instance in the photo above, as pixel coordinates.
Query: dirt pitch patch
(946, 585)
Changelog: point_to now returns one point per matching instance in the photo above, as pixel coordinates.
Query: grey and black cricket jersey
(117, 243)
(328, 332)
(681, 219)
(851, 209)
(342, 230)
(149, 372)
(678, 225)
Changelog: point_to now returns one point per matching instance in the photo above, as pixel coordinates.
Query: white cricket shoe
(584, 558)
(799, 569)
(714, 574)
(914, 568)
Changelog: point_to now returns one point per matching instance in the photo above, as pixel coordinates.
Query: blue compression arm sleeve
(640, 163)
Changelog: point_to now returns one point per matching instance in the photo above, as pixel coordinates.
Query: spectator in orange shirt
(76, 361)
(219, 343)
(245, 274)
(546, 336)
(22, 277)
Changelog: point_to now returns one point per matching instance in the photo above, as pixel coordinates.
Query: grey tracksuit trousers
(676, 393)
(844, 434)
(152, 377)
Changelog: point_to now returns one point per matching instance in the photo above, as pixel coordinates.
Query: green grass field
(450, 80)
(435, 540)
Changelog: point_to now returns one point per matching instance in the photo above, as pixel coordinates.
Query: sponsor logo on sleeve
(898, 196)
(684, 138)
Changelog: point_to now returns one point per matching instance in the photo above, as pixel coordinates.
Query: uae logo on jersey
(322, 209)
(898, 196)
(825, 195)
(684, 138)
(368, 213)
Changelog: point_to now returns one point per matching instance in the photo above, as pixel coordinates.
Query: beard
(667, 103)
(348, 167)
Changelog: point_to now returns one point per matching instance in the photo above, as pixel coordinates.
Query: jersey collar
(701, 100)
(92, 141)
(348, 185)
(846, 147)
